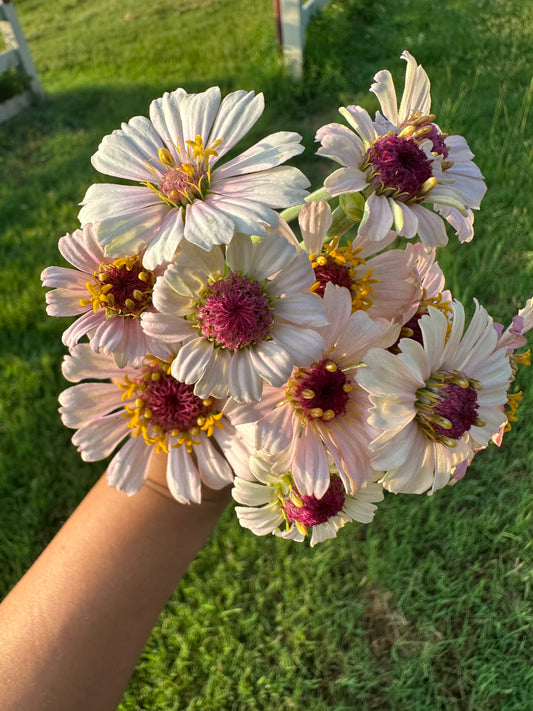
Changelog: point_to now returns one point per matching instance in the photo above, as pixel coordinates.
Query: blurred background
(428, 607)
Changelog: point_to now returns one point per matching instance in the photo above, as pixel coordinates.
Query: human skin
(74, 626)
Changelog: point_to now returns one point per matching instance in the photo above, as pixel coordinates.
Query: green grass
(429, 607)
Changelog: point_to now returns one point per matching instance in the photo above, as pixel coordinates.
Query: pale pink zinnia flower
(403, 164)
(383, 284)
(110, 294)
(273, 504)
(244, 316)
(152, 412)
(321, 411)
(435, 404)
(180, 194)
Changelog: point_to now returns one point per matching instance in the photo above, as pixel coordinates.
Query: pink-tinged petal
(434, 328)
(240, 254)
(386, 374)
(274, 432)
(98, 438)
(377, 218)
(407, 445)
(304, 309)
(415, 358)
(88, 401)
(103, 201)
(340, 144)
(303, 345)
(65, 302)
(431, 229)
(414, 476)
(133, 347)
(262, 520)
(182, 476)
(359, 120)
(166, 119)
(64, 278)
(315, 219)
(251, 494)
(234, 449)
(337, 304)
(84, 363)
(127, 470)
(238, 112)
(459, 150)
(247, 216)
(271, 362)
(192, 360)
(383, 88)
(462, 224)
(416, 98)
(264, 155)
(166, 240)
(392, 413)
(128, 235)
(370, 246)
(129, 152)
(214, 381)
(493, 419)
(207, 226)
(214, 470)
(345, 180)
(108, 334)
(310, 467)
(245, 384)
(81, 327)
(272, 254)
(167, 328)
(164, 296)
(298, 276)
(405, 220)
(198, 111)
(184, 276)
(455, 335)
(81, 249)
(277, 187)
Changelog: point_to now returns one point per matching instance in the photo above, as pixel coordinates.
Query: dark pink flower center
(321, 391)
(397, 167)
(333, 272)
(435, 136)
(123, 287)
(235, 312)
(447, 406)
(315, 511)
(172, 404)
(181, 185)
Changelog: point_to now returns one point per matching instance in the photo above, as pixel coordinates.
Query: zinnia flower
(321, 411)
(403, 165)
(241, 314)
(273, 501)
(111, 294)
(153, 412)
(180, 194)
(435, 404)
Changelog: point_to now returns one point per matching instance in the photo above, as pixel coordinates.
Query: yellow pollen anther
(200, 421)
(156, 375)
(321, 261)
(175, 433)
(478, 422)
(331, 367)
(165, 157)
(328, 415)
(442, 422)
(138, 295)
(347, 387)
(316, 412)
(475, 384)
(144, 276)
(207, 402)
(448, 441)
(195, 431)
(139, 402)
(130, 303)
(407, 131)
(460, 381)
(429, 185)
(422, 131)
(308, 394)
(147, 414)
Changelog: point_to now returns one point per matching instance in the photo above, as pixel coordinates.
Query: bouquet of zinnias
(310, 371)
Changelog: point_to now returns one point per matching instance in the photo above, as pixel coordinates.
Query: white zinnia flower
(402, 164)
(180, 194)
(153, 412)
(272, 501)
(243, 315)
(435, 404)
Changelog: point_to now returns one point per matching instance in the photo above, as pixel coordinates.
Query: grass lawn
(427, 608)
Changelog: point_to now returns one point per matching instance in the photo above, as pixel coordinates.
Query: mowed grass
(429, 607)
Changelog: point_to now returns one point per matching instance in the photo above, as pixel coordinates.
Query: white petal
(182, 476)
(245, 384)
(127, 470)
(377, 218)
(105, 200)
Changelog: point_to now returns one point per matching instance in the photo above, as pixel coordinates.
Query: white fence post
(294, 18)
(16, 55)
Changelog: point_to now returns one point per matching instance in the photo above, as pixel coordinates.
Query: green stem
(291, 213)
(341, 223)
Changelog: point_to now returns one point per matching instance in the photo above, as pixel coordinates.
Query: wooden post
(295, 17)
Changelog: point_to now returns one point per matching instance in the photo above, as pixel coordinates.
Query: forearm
(72, 630)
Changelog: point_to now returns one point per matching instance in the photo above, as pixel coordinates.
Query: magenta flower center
(235, 313)
(172, 404)
(315, 511)
(447, 406)
(123, 288)
(321, 391)
(182, 184)
(339, 274)
(435, 136)
(397, 167)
